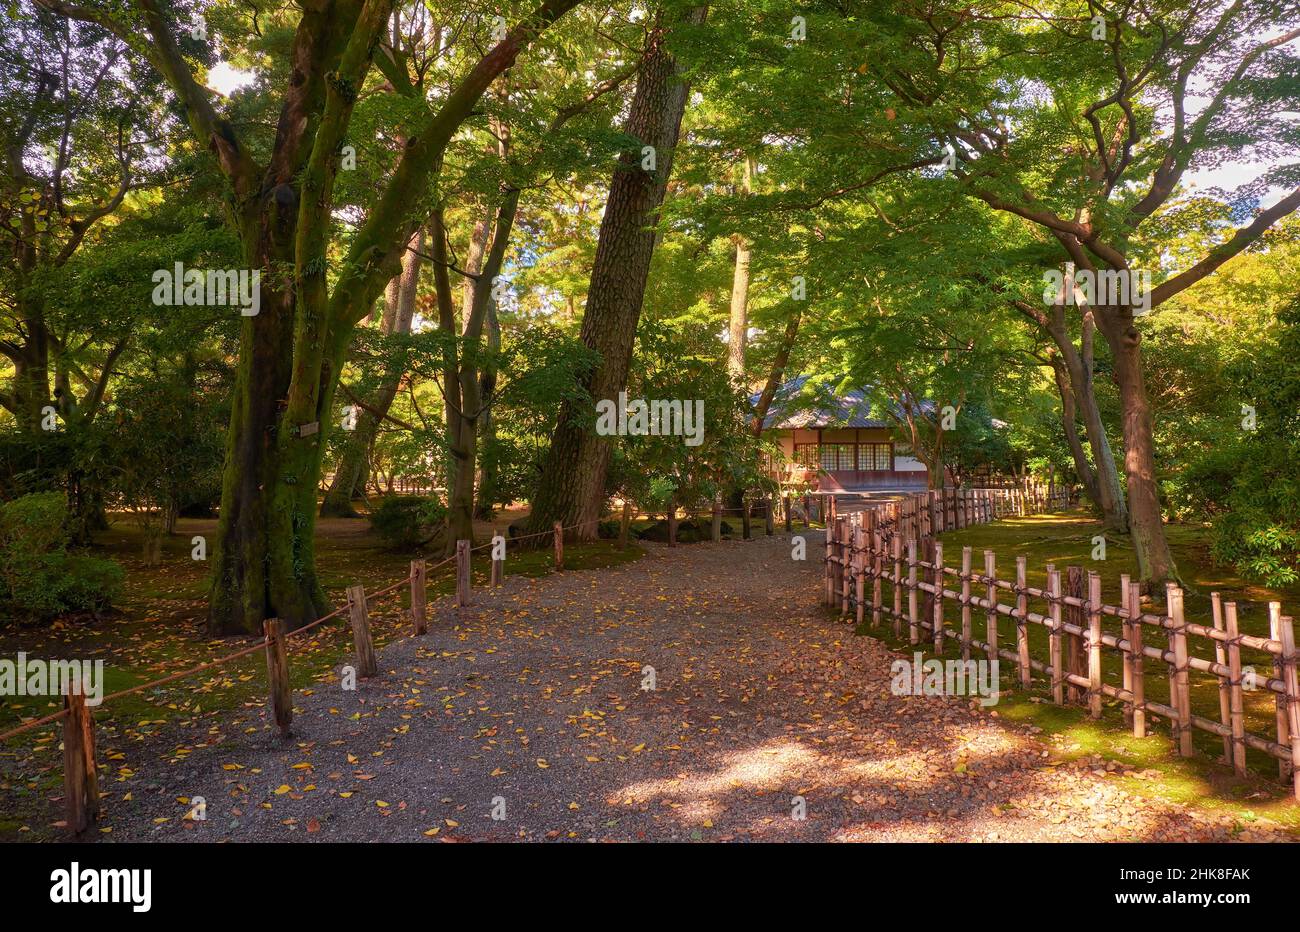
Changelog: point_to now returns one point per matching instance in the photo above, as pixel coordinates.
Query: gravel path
(530, 703)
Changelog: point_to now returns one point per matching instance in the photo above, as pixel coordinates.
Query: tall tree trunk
(1078, 362)
(487, 484)
(738, 329)
(776, 375)
(1155, 561)
(399, 311)
(473, 401)
(572, 485)
(1082, 467)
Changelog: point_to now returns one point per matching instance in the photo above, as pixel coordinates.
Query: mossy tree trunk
(291, 352)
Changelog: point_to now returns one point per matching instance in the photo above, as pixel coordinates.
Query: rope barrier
(260, 644)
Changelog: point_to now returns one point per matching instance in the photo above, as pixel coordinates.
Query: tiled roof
(798, 405)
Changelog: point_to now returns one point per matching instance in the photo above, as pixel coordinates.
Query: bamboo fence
(895, 543)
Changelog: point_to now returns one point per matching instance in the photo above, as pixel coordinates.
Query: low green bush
(39, 578)
(404, 521)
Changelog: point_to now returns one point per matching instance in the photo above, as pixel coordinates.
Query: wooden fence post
(846, 561)
(1094, 645)
(360, 618)
(1180, 696)
(1054, 634)
(768, 527)
(419, 598)
(1292, 689)
(859, 563)
(558, 532)
(913, 625)
(625, 525)
(1283, 716)
(788, 514)
(1138, 677)
(80, 778)
(1022, 623)
(1126, 657)
(1075, 659)
(499, 565)
(1221, 658)
(938, 597)
(965, 603)
(807, 510)
(1236, 706)
(277, 675)
(672, 524)
(463, 580)
(744, 518)
(876, 556)
(896, 543)
(717, 518)
(830, 566)
(991, 620)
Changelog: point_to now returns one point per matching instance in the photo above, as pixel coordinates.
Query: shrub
(38, 577)
(407, 521)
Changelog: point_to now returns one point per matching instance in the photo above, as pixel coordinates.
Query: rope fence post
(462, 573)
(80, 778)
(419, 597)
(360, 619)
(499, 562)
(277, 675)
(625, 525)
(717, 518)
(558, 531)
(786, 514)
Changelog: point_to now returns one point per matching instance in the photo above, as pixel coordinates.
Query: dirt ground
(526, 716)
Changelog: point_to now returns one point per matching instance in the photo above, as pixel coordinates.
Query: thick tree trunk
(1155, 561)
(265, 561)
(571, 489)
(938, 478)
